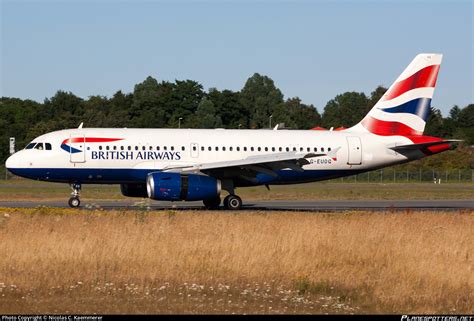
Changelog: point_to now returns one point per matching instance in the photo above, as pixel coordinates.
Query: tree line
(165, 104)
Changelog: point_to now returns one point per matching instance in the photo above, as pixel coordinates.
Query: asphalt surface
(277, 205)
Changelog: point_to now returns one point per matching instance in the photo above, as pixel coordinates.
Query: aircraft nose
(13, 162)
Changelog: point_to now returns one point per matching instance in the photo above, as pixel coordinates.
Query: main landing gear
(74, 201)
(231, 202)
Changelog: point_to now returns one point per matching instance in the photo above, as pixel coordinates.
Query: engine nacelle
(134, 190)
(187, 187)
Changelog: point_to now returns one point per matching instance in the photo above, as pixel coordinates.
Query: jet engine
(170, 186)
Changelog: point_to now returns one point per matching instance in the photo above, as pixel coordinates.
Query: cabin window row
(158, 148)
(259, 149)
(223, 148)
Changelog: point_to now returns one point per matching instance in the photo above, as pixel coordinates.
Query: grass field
(20, 189)
(64, 261)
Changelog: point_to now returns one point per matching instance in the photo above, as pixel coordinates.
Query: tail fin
(405, 107)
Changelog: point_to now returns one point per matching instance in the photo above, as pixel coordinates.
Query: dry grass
(60, 261)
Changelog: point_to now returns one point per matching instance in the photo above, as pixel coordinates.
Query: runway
(269, 205)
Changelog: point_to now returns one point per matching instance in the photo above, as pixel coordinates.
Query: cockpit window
(47, 146)
(39, 146)
(30, 146)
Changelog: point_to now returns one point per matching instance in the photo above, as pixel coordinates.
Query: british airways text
(145, 155)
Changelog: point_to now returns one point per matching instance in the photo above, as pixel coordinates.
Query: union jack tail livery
(405, 107)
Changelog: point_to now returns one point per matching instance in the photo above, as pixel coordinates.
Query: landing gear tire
(74, 202)
(232, 202)
(212, 204)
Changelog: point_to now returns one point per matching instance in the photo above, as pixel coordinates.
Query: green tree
(345, 110)
(205, 116)
(183, 102)
(376, 95)
(66, 107)
(302, 116)
(435, 124)
(466, 123)
(118, 115)
(262, 99)
(146, 110)
(229, 107)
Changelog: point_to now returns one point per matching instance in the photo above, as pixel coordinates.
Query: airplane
(198, 164)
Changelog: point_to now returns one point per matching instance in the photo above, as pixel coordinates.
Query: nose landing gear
(74, 201)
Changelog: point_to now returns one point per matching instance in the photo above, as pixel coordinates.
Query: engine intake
(187, 187)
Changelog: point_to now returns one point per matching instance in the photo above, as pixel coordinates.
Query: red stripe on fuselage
(425, 77)
(388, 128)
(90, 140)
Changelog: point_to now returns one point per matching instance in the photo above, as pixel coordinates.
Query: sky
(311, 49)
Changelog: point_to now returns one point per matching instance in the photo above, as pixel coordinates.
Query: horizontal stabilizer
(424, 145)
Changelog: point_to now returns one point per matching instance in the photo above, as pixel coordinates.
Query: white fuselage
(92, 155)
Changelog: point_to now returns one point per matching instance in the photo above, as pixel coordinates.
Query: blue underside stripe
(419, 107)
(117, 176)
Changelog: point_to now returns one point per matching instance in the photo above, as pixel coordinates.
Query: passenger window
(47, 146)
(329, 149)
(136, 147)
(172, 147)
(251, 148)
(194, 148)
(230, 148)
(322, 149)
(100, 147)
(273, 149)
(143, 147)
(164, 147)
(308, 149)
(223, 148)
(182, 148)
(294, 149)
(266, 149)
(30, 146)
(238, 148)
(129, 148)
(202, 148)
(157, 147)
(245, 149)
(301, 149)
(315, 149)
(209, 148)
(217, 149)
(107, 147)
(39, 146)
(259, 149)
(288, 149)
(280, 149)
(121, 147)
(151, 147)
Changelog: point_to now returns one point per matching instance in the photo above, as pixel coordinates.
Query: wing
(247, 168)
